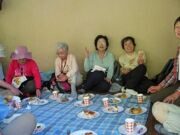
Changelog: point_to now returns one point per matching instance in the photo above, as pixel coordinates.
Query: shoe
(162, 131)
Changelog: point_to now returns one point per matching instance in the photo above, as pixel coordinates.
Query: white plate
(82, 132)
(112, 109)
(80, 104)
(39, 128)
(59, 96)
(29, 99)
(64, 94)
(91, 95)
(114, 100)
(52, 97)
(63, 102)
(134, 93)
(118, 95)
(127, 111)
(131, 92)
(84, 116)
(139, 130)
(38, 102)
(8, 120)
(35, 101)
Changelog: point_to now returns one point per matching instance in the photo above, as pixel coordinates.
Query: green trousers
(163, 93)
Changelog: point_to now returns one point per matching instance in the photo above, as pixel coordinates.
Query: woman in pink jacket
(23, 72)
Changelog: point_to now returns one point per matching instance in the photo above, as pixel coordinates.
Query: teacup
(18, 104)
(105, 102)
(140, 98)
(55, 93)
(86, 100)
(129, 125)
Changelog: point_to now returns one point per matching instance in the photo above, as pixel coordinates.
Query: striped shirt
(172, 77)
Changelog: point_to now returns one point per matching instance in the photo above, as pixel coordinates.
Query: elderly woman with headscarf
(66, 69)
(23, 72)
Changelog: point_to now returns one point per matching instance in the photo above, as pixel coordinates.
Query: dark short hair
(176, 21)
(99, 37)
(126, 39)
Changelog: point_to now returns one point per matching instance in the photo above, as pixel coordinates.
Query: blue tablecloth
(59, 118)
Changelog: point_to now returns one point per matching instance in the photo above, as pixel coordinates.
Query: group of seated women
(23, 72)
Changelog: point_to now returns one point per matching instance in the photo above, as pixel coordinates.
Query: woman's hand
(58, 78)
(62, 78)
(125, 70)
(108, 80)
(8, 86)
(86, 52)
(140, 61)
(154, 89)
(171, 98)
(38, 92)
(141, 57)
(16, 91)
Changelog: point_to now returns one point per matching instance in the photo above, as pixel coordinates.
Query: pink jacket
(29, 69)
